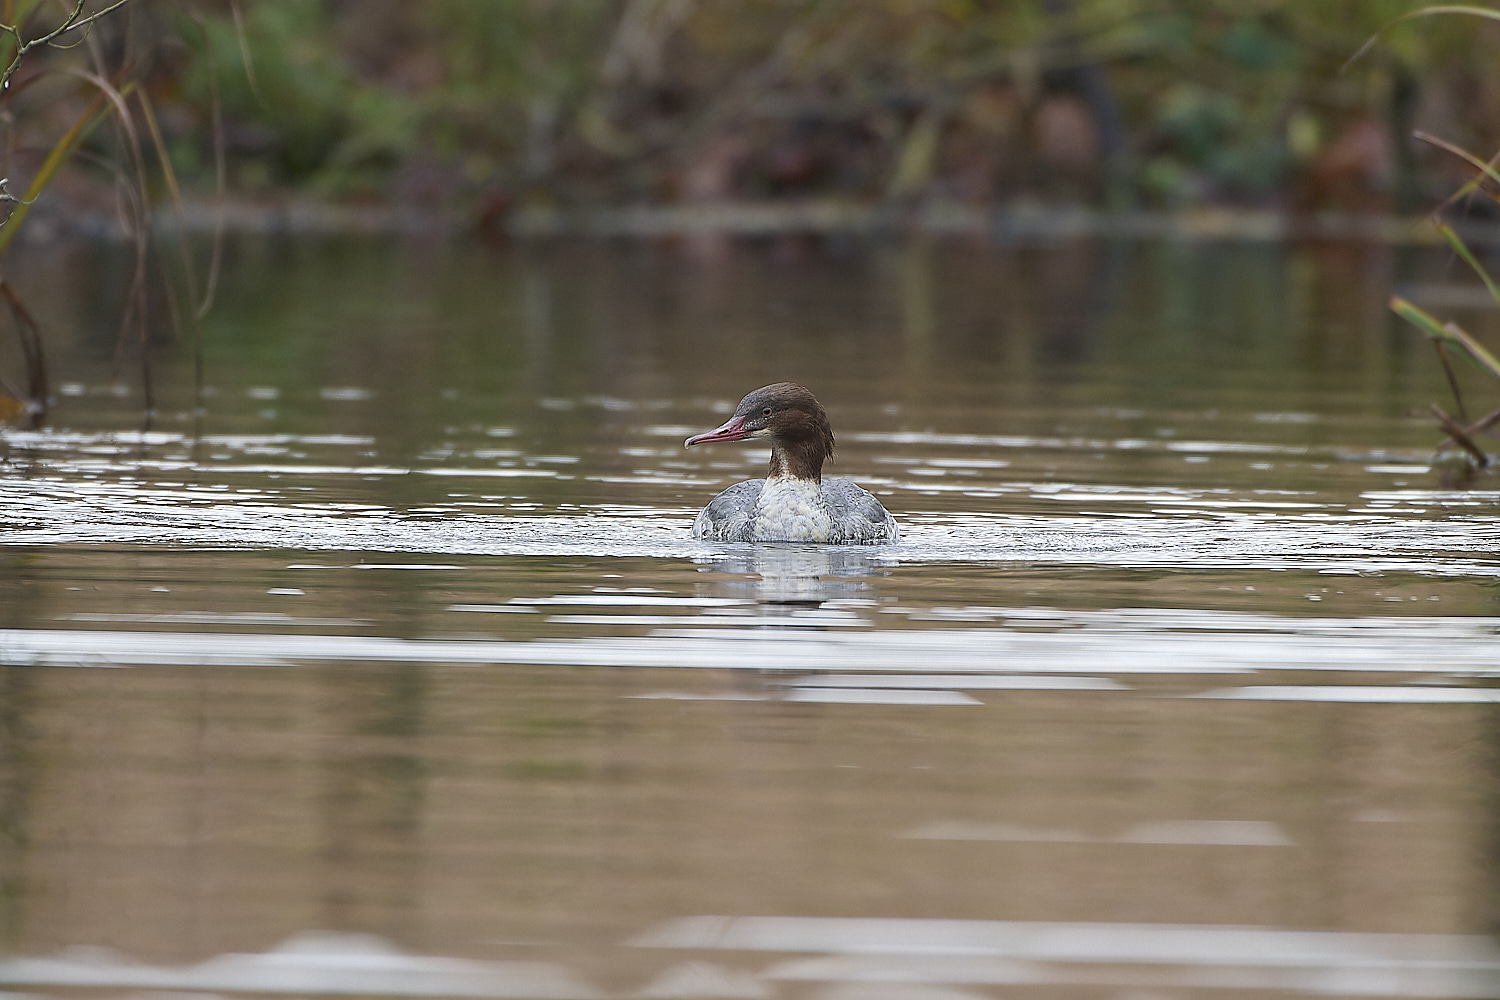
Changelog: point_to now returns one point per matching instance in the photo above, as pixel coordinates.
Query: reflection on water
(984, 952)
(1183, 678)
(318, 963)
(908, 954)
(777, 574)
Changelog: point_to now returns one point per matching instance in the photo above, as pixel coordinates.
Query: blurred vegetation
(1110, 102)
(1468, 458)
(477, 107)
(22, 37)
(67, 69)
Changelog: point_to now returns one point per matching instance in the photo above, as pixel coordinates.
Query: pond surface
(397, 671)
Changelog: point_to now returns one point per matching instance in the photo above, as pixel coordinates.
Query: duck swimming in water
(794, 503)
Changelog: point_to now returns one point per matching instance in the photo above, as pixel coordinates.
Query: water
(405, 677)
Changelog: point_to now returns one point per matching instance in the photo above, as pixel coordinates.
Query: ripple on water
(1192, 534)
(145, 488)
(1080, 644)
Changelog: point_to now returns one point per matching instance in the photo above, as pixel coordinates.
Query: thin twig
(1486, 171)
(239, 31)
(1480, 426)
(5, 194)
(1484, 423)
(221, 182)
(31, 352)
(140, 200)
(1493, 15)
(1459, 435)
(1458, 397)
(174, 192)
(72, 22)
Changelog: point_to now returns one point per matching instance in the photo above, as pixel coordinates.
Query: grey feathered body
(790, 509)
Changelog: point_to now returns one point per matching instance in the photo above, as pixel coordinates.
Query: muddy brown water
(397, 671)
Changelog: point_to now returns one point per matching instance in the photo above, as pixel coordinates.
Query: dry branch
(1459, 435)
(72, 22)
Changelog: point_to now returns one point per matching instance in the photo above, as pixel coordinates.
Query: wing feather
(730, 516)
(861, 517)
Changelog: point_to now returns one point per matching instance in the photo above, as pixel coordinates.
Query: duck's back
(730, 516)
(859, 516)
(835, 511)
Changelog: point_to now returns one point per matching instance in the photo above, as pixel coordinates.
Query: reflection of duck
(794, 503)
(796, 574)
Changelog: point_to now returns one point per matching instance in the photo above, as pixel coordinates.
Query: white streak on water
(913, 954)
(822, 621)
(250, 618)
(1200, 832)
(1110, 643)
(1196, 944)
(968, 682)
(873, 696)
(1367, 694)
(994, 952)
(823, 696)
(630, 601)
(313, 963)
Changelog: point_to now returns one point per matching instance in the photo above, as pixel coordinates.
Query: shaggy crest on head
(793, 503)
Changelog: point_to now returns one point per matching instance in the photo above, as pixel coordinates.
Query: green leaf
(1463, 251)
(1447, 333)
(1418, 318)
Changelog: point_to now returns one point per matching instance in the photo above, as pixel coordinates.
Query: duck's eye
(766, 412)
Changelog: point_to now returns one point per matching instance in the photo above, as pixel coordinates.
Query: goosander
(794, 503)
